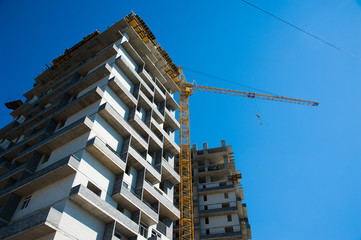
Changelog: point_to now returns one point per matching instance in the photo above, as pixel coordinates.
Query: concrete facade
(90, 154)
(217, 197)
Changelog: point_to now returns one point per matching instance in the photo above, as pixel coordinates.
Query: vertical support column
(109, 231)
(31, 165)
(8, 210)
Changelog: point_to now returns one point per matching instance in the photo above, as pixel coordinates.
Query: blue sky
(301, 170)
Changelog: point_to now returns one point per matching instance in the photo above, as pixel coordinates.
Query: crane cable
(304, 31)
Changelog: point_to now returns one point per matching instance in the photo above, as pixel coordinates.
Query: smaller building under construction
(217, 195)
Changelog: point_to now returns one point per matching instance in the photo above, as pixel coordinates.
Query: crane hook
(259, 117)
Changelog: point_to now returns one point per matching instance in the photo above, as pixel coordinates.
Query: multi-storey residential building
(217, 195)
(90, 153)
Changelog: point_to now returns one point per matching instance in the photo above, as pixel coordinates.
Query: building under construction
(217, 195)
(90, 153)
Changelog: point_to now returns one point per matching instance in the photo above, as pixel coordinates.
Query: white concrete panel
(99, 83)
(88, 111)
(71, 147)
(45, 197)
(116, 103)
(106, 133)
(127, 57)
(99, 175)
(80, 223)
(116, 72)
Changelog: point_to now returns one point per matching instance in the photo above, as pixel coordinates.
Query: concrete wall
(90, 169)
(116, 72)
(45, 197)
(65, 150)
(106, 133)
(79, 223)
(110, 97)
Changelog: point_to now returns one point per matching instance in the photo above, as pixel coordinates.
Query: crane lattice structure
(186, 227)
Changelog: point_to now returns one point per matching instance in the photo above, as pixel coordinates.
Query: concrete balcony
(216, 169)
(70, 109)
(170, 145)
(79, 104)
(102, 210)
(105, 155)
(171, 120)
(216, 189)
(131, 74)
(144, 101)
(154, 143)
(159, 94)
(218, 211)
(99, 73)
(171, 102)
(42, 178)
(166, 206)
(123, 93)
(35, 226)
(132, 53)
(107, 53)
(59, 138)
(133, 202)
(139, 161)
(146, 77)
(157, 115)
(228, 236)
(168, 173)
(18, 129)
(122, 126)
(14, 150)
(13, 174)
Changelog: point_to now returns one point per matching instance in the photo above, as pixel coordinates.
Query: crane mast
(186, 228)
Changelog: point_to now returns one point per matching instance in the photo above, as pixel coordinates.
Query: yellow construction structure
(186, 228)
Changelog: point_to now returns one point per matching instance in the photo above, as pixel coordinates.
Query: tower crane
(186, 89)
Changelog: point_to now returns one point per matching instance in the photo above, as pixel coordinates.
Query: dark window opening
(225, 195)
(94, 188)
(26, 202)
(229, 218)
(205, 198)
(207, 231)
(206, 220)
(225, 205)
(228, 229)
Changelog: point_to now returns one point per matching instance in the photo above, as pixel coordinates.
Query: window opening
(94, 188)
(143, 230)
(207, 220)
(205, 198)
(225, 195)
(26, 202)
(229, 218)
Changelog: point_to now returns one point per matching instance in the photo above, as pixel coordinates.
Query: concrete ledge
(166, 206)
(226, 188)
(102, 210)
(106, 156)
(122, 126)
(41, 178)
(151, 173)
(231, 235)
(169, 173)
(216, 211)
(122, 92)
(41, 223)
(124, 196)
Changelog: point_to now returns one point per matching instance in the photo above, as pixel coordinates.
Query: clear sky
(301, 170)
